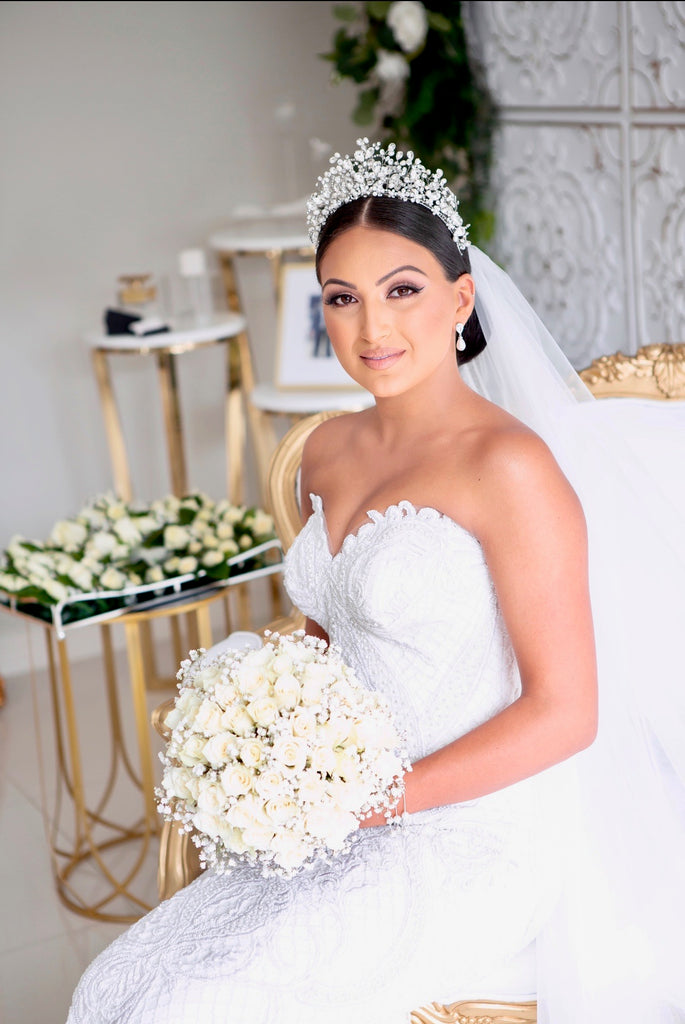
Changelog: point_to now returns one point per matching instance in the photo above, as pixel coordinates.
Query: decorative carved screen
(589, 167)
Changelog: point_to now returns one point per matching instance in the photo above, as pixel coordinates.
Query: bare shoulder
(326, 451)
(516, 477)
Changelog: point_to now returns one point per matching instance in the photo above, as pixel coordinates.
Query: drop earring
(461, 344)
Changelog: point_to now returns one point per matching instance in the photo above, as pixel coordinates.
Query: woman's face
(390, 311)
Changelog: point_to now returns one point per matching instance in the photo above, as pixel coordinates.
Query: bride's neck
(423, 409)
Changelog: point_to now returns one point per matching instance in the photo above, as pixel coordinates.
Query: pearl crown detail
(373, 171)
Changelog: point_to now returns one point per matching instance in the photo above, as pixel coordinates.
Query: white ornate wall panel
(590, 164)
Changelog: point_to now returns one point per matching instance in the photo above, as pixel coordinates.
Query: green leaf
(366, 106)
(186, 516)
(438, 21)
(345, 12)
(378, 9)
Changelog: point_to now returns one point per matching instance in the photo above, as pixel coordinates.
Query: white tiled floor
(44, 947)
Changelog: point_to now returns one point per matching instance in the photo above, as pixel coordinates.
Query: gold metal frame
(481, 1011)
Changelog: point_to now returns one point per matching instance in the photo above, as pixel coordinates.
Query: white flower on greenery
(112, 579)
(101, 544)
(245, 542)
(116, 510)
(228, 548)
(11, 583)
(176, 538)
(171, 565)
(68, 535)
(212, 558)
(154, 575)
(195, 547)
(187, 564)
(127, 531)
(391, 68)
(408, 22)
(55, 590)
(80, 576)
(261, 523)
(234, 513)
(224, 531)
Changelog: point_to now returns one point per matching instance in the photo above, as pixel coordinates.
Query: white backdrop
(128, 131)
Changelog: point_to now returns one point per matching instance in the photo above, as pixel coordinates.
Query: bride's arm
(532, 530)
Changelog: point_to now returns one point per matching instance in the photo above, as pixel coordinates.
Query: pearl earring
(461, 344)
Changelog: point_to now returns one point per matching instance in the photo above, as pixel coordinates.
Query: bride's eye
(403, 291)
(338, 299)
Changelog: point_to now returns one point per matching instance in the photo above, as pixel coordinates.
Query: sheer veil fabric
(615, 946)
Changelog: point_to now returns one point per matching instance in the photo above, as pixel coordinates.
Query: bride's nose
(375, 325)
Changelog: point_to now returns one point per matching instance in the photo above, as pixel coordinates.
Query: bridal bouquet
(276, 754)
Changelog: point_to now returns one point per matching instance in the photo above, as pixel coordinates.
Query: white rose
(145, 524)
(171, 565)
(334, 732)
(236, 780)
(322, 759)
(246, 812)
(289, 753)
(112, 579)
(209, 540)
(253, 681)
(176, 537)
(281, 809)
(303, 723)
(207, 676)
(234, 514)
(209, 718)
(208, 823)
(224, 531)
(195, 547)
(408, 22)
(220, 748)
(212, 797)
(80, 576)
(225, 694)
(127, 531)
(312, 789)
(116, 510)
(175, 782)
(391, 67)
(232, 838)
(12, 584)
(192, 751)
(347, 764)
(186, 565)
(154, 575)
(261, 523)
(315, 679)
(270, 783)
(252, 753)
(331, 825)
(188, 702)
(263, 711)
(350, 796)
(228, 547)
(212, 558)
(237, 720)
(69, 535)
(290, 850)
(287, 691)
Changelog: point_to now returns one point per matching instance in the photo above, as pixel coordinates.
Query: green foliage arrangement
(420, 89)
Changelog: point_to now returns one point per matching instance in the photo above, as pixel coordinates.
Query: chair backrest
(281, 483)
(655, 371)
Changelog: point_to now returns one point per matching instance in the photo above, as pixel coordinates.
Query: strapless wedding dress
(419, 912)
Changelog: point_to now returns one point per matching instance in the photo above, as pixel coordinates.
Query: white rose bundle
(276, 754)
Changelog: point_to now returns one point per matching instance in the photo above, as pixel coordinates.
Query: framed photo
(304, 357)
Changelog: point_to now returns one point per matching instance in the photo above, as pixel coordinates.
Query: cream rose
(303, 723)
(236, 780)
(269, 783)
(69, 535)
(220, 748)
(281, 809)
(263, 711)
(237, 720)
(209, 718)
(176, 538)
(290, 753)
(225, 694)
(188, 702)
(252, 753)
(112, 579)
(192, 751)
(211, 797)
(208, 823)
(291, 850)
(287, 691)
(175, 783)
(322, 759)
(127, 531)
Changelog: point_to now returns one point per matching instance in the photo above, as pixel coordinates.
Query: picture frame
(304, 357)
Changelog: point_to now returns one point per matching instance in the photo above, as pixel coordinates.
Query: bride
(446, 553)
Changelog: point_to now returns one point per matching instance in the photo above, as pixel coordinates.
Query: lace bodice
(411, 604)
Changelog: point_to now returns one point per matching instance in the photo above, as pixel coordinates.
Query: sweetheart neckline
(375, 517)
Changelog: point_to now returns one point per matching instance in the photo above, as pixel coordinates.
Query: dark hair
(417, 224)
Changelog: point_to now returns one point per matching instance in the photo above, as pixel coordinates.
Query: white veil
(615, 947)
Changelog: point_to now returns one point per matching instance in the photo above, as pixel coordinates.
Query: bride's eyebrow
(381, 280)
(407, 266)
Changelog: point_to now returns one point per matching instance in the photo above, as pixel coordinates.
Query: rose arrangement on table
(112, 545)
(275, 755)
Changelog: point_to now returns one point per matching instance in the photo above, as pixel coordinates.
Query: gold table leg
(113, 428)
(171, 409)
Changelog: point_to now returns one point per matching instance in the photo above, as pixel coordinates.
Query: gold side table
(228, 329)
(102, 822)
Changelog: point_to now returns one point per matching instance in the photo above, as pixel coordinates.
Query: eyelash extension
(330, 300)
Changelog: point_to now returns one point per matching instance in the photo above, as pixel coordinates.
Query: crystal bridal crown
(374, 171)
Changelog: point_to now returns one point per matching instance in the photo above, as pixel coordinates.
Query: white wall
(129, 131)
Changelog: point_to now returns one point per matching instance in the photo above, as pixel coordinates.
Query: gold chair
(655, 371)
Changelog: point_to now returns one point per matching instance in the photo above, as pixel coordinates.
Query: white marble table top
(261, 235)
(184, 333)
